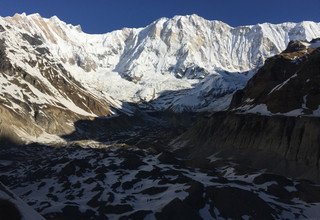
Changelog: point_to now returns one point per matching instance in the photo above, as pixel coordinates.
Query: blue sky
(100, 16)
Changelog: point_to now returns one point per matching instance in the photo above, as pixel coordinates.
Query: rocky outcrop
(288, 83)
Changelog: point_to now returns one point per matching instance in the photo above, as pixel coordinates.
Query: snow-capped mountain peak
(181, 63)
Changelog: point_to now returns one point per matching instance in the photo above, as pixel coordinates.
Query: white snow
(184, 53)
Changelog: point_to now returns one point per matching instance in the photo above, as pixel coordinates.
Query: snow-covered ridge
(171, 54)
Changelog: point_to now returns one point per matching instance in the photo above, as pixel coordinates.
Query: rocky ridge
(40, 96)
(288, 83)
(271, 123)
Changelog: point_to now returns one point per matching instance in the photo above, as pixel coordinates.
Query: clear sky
(100, 16)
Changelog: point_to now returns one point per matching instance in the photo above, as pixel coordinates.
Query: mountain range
(54, 74)
(183, 119)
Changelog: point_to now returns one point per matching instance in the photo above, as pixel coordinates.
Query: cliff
(285, 145)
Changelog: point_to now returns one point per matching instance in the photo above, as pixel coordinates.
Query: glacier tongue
(203, 61)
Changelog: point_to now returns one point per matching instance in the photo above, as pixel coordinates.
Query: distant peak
(54, 18)
(26, 16)
(22, 15)
(78, 27)
(37, 15)
(192, 16)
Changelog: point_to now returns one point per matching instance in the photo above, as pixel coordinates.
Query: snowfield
(208, 60)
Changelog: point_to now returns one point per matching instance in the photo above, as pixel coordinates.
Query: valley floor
(135, 177)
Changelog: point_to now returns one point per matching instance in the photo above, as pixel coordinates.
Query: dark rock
(9, 211)
(236, 98)
(131, 161)
(284, 145)
(115, 186)
(177, 210)
(95, 201)
(89, 180)
(117, 209)
(102, 169)
(234, 203)
(4, 62)
(286, 82)
(32, 40)
(268, 177)
(154, 190)
(97, 188)
(169, 158)
(141, 214)
(100, 176)
(295, 46)
(72, 212)
(155, 173)
(43, 50)
(111, 197)
(52, 197)
(129, 184)
(195, 198)
(281, 193)
(308, 192)
(68, 170)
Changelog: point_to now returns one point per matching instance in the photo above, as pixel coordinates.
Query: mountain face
(39, 95)
(53, 74)
(261, 125)
(287, 84)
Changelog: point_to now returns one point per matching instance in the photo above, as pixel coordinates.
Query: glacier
(180, 63)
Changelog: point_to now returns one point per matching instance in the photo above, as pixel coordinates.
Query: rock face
(39, 96)
(287, 84)
(258, 123)
(279, 143)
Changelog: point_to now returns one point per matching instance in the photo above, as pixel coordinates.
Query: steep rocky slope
(38, 95)
(272, 122)
(282, 144)
(288, 84)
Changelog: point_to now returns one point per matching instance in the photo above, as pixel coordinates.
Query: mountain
(288, 83)
(53, 74)
(273, 122)
(119, 156)
(38, 95)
